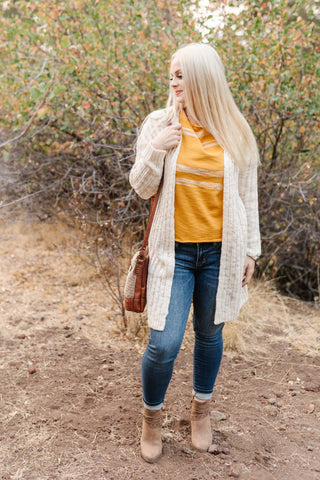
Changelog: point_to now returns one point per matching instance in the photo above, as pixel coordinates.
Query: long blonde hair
(209, 102)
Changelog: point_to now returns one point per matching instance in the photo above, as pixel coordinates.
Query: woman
(205, 234)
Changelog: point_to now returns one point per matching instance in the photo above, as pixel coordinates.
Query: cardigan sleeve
(146, 172)
(248, 191)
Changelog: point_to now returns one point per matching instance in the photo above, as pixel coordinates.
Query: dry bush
(290, 227)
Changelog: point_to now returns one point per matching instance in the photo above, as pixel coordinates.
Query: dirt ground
(70, 396)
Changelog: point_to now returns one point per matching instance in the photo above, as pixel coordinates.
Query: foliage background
(78, 77)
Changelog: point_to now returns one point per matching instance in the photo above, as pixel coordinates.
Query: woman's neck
(191, 118)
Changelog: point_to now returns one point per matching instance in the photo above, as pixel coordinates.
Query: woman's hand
(248, 270)
(168, 138)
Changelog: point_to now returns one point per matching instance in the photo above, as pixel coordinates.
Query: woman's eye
(179, 77)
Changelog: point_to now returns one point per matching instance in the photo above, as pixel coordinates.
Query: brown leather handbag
(135, 290)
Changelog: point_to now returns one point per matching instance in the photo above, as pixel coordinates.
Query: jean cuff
(153, 408)
(202, 396)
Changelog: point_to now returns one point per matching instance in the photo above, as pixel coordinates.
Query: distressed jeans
(195, 279)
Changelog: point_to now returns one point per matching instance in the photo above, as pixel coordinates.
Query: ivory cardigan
(240, 230)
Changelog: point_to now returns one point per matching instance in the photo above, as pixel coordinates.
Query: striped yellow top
(199, 186)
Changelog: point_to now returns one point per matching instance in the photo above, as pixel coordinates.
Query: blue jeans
(195, 279)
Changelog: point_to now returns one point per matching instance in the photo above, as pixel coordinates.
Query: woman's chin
(180, 101)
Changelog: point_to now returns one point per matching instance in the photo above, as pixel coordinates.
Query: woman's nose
(174, 82)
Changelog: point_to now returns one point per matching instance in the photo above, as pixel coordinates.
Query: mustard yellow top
(199, 186)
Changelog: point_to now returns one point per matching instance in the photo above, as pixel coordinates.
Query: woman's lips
(178, 92)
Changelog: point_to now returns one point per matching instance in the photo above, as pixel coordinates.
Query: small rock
(272, 401)
(263, 395)
(270, 410)
(282, 428)
(310, 409)
(237, 359)
(218, 416)
(312, 387)
(32, 370)
(234, 473)
(22, 336)
(310, 448)
(225, 450)
(294, 393)
(215, 449)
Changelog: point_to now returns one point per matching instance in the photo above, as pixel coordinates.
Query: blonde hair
(209, 102)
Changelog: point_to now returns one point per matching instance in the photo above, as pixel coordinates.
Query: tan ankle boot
(201, 434)
(151, 446)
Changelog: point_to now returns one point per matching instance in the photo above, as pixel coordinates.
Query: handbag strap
(153, 206)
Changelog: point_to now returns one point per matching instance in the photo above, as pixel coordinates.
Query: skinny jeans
(195, 279)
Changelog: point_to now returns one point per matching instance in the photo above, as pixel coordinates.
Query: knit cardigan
(240, 230)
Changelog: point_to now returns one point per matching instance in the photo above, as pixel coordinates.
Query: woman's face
(176, 81)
